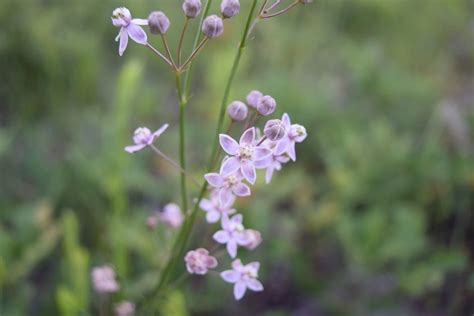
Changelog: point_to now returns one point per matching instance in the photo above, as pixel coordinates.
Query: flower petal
(206, 205)
(229, 166)
(229, 145)
(241, 189)
(247, 137)
(237, 218)
(239, 290)
(230, 276)
(232, 248)
(269, 174)
(263, 163)
(211, 262)
(134, 148)
(212, 216)
(286, 120)
(140, 21)
(123, 41)
(160, 131)
(221, 237)
(237, 265)
(254, 265)
(254, 285)
(291, 151)
(136, 33)
(282, 146)
(214, 179)
(248, 170)
(225, 197)
(261, 153)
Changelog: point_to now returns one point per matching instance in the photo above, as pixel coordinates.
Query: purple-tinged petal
(137, 34)
(225, 197)
(254, 285)
(221, 237)
(214, 179)
(140, 21)
(282, 146)
(229, 166)
(212, 216)
(134, 148)
(211, 262)
(238, 218)
(232, 248)
(230, 276)
(286, 120)
(239, 290)
(248, 170)
(160, 131)
(237, 265)
(261, 153)
(291, 151)
(123, 40)
(247, 137)
(269, 174)
(206, 205)
(242, 239)
(229, 145)
(254, 265)
(225, 222)
(263, 163)
(241, 189)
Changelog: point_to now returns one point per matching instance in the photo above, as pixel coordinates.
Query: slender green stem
(194, 53)
(181, 39)
(157, 52)
(288, 8)
(168, 52)
(182, 145)
(197, 39)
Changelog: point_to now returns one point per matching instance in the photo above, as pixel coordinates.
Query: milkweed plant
(267, 148)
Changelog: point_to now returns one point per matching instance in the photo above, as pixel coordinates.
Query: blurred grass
(375, 218)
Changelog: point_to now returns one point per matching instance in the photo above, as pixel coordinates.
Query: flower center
(237, 227)
(231, 180)
(246, 152)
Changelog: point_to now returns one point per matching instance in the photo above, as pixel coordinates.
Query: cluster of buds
(237, 173)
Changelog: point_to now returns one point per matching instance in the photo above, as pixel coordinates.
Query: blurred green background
(374, 218)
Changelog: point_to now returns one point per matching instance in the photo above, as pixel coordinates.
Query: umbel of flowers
(254, 149)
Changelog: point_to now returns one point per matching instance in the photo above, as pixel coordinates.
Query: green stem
(182, 144)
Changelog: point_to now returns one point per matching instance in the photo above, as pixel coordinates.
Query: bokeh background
(374, 218)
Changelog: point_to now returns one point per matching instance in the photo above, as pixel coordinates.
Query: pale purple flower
(229, 8)
(103, 280)
(143, 137)
(294, 134)
(122, 18)
(232, 233)
(254, 239)
(199, 261)
(124, 308)
(214, 209)
(242, 154)
(227, 186)
(244, 277)
(272, 162)
(171, 215)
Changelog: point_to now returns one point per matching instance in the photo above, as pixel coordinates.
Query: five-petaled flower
(122, 18)
(272, 162)
(143, 137)
(199, 261)
(233, 234)
(227, 185)
(171, 215)
(243, 154)
(214, 209)
(244, 277)
(294, 134)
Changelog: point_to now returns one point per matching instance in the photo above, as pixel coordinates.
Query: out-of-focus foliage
(375, 218)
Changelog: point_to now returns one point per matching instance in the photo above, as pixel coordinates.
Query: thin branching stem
(194, 53)
(157, 52)
(168, 51)
(288, 8)
(181, 39)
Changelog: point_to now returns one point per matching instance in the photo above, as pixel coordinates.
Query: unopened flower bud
(266, 105)
(274, 130)
(192, 8)
(212, 26)
(229, 8)
(158, 22)
(237, 111)
(253, 98)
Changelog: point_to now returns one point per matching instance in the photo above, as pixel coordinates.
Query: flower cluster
(238, 171)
